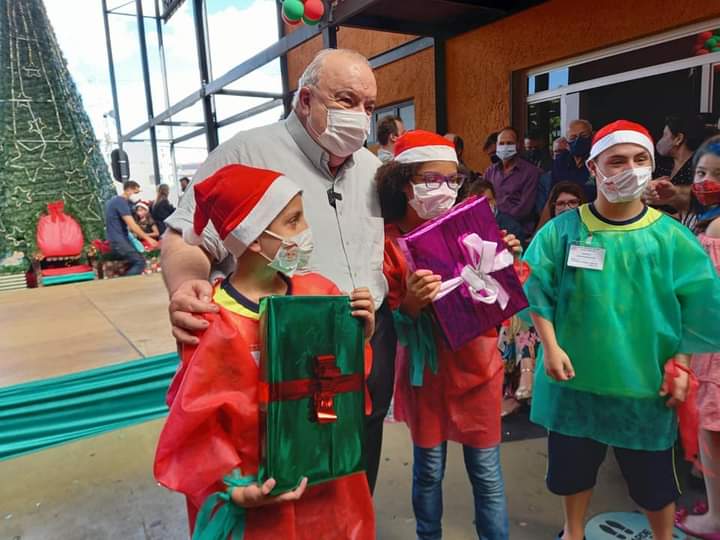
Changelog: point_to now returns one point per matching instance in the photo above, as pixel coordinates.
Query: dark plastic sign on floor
(622, 526)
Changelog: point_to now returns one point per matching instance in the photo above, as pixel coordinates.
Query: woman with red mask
(706, 188)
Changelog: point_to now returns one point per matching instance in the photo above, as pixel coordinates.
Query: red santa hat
(419, 146)
(621, 132)
(241, 202)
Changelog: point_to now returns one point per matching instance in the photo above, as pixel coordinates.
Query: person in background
(145, 220)
(472, 176)
(388, 131)
(184, 183)
(670, 189)
(490, 148)
(517, 339)
(515, 181)
(571, 165)
(118, 221)
(563, 197)
(162, 208)
(559, 146)
(706, 188)
(536, 151)
(483, 188)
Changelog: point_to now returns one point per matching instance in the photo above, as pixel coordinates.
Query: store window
(405, 111)
(643, 81)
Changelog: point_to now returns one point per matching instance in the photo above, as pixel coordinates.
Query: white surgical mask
(506, 151)
(625, 186)
(293, 255)
(134, 198)
(345, 131)
(430, 203)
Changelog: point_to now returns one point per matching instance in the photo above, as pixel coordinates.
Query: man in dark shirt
(118, 220)
(515, 181)
(536, 151)
(570, 166)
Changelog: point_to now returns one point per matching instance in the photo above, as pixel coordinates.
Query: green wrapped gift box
(312, 394)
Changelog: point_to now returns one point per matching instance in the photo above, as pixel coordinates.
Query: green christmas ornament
(710, 43)
(310, 21)
(293, 9)
(715, 49)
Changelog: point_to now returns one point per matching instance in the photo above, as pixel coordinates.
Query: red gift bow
(327, 382)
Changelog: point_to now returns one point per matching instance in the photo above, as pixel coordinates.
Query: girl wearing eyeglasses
(461, 392)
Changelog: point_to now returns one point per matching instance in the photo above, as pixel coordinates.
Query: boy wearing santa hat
(619, 293)
(212, 430)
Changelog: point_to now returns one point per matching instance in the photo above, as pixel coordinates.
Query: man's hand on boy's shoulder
(254, 495)
(190, 298)
(363, 307)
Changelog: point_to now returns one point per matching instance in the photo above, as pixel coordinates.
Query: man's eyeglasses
(435, 180)
(567, 204)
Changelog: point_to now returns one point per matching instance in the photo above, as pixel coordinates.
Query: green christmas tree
(48, 150)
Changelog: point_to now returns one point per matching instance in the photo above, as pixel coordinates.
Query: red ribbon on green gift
(326, 383)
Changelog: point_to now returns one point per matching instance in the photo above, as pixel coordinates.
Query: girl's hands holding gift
(512, 243)
(254, 495)
(557, 364)
(363, 307)
(421, 289)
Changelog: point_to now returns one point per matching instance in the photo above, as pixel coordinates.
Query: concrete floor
(102, 488)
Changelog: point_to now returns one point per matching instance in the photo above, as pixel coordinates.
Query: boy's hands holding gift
(421, 289)
(363, 307)
(254, 495)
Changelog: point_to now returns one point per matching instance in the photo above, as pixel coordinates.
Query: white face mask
(345, 131)
(506, 151)
(134, 198)
(625, 186)
(293, 255)
(430, 203)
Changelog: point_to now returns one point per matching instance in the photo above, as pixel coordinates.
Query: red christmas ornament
(704, 36)
(702, 51)
(314, 11)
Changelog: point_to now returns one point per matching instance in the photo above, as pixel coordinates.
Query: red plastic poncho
(213, 428)
(462, 401)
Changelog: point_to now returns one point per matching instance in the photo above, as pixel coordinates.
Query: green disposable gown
(657, 295)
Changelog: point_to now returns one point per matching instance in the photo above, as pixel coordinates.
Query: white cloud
(235, 35)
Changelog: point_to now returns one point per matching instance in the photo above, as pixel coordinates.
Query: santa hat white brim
(421, 154)
(623, 137)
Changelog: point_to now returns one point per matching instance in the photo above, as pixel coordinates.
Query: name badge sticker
(586, 257)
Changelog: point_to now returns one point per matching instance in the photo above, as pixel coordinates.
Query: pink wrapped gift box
(480, 287)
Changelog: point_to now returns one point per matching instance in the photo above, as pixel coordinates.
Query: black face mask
(494, 159)
(580, 147)
(533, 155)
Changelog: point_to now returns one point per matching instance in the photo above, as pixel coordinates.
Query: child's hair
(710, 146)
(480, 187)
(391, 179)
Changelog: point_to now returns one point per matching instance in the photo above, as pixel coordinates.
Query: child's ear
(255, 246)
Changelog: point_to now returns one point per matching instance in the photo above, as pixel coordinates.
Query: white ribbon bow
(484, 260)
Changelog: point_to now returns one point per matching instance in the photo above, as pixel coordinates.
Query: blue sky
(238, 29)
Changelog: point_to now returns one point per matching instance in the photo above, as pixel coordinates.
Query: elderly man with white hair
(320, 145)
